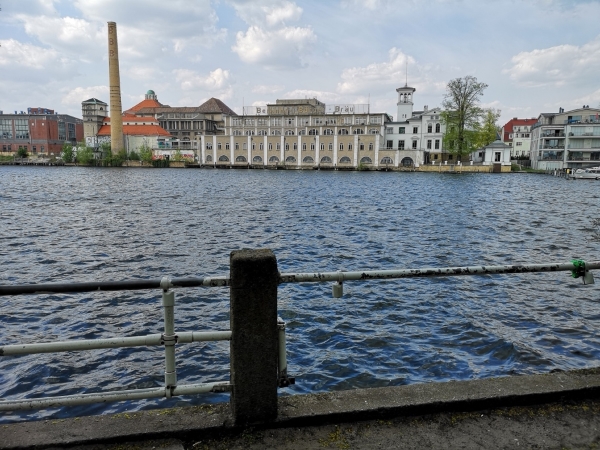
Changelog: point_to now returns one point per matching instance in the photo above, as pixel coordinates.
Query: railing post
(253, 305)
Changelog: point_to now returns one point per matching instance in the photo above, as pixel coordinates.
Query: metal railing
(169, 337)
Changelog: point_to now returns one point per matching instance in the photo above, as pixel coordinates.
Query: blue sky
(535, 55)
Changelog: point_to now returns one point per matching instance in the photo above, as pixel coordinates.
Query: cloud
(15, 53)
(268, 39)
(75, 96)
(557, 66)
(324, 96)
(378, 77)
(190, 80)
(267, 89)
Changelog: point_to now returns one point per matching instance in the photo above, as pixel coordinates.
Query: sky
(534, 55)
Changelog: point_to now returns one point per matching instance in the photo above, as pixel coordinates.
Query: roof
(148, 103)
(94, 100)
(214, 105)
(150, 92)
(169, 109)
(136, 130)
(132, 118)
(508, 128)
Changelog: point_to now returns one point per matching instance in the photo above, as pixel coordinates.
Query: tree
(462, 115)
(84, 154)
(177, 156)
(67, 153)
(145, 153)
(487, 130)
(22, 152)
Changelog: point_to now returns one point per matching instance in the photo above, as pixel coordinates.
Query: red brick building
(39, 134)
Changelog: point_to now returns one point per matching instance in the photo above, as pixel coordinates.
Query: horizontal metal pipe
(429, 272)
(113, 396)
(128, 285)
(95, 344)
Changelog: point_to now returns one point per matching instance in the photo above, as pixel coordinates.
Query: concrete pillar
(116, 117)
(253, 305)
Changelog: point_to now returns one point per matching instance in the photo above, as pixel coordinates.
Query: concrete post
(253, 305)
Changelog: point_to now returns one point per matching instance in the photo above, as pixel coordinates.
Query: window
(290, 159)
(301, 132)
(262, 132)
(373, 131)
(437, 127)
(370, 146)
(341, 146)
(209, 146)
(308, 159)
(347, 120)
(429, 128)
(518, 144)
(359, 120)
(295, 146)
(273, 159)
(361, 146)
(435, 156)
(245, 146)
(249, 132)
(278, 146)
(497, 156)
(389, 130)
(313, 132)
(437, 144)
(428, 144)
(389, 145)
(270, 146)
(257, 159)
(359, 131)
(6, 129)
(237, 146)
(71, 131)
(218, 146)
(342, 131)
(240, 159)
(366, 160)
(290, 121)
(401, 130)
(287, 147)
(262, 122)
(42, 149)
(375, 120)
(450, 157)
(276, 122)
(223, 158)
(253, 146)
(400, 145)
(289, 132)
(22, 129)
(208, 158)
(414, 145)
(276, 132)
(331, 146)
(236, 122)
(261, 146)
(407, 162)
(349, 146)
(415, 130)
(312, 146)
(227, 146)
(387, 160)
(328, 131)
(322, 146)
(345, 160)
(326, 159)
(237, 132)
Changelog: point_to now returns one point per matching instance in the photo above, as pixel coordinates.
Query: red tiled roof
(508, 128)
(148, 103)
(132, 118)
(136, 130)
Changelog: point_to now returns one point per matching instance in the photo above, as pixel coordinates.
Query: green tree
(145, 153)
(177, 156)
(22, 152)
(462, 115)
(487, 129)
(67, 154)
(85, 154)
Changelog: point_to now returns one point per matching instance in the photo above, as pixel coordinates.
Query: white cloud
(15, 53)
(218, 79)
(557, 66)
(268, 39)
(280, 48)
(75, 96)
(324, 96)
(267, 89)
(378, 77)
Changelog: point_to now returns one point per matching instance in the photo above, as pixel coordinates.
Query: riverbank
(556, 410)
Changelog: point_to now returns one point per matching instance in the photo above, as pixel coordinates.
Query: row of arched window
(311, 132)
(308, 160)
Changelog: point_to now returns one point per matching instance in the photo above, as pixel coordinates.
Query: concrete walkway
(553, 411)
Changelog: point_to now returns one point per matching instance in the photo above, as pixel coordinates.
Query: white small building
(495, 153)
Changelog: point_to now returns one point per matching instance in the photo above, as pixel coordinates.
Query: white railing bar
(113, 396)
(430, 272)
(186, 337)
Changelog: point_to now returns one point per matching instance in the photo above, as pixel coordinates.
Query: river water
(83, 224)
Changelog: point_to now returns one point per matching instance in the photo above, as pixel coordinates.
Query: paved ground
(551, 411)
(560, 426)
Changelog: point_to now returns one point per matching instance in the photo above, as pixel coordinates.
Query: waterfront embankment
(557, 410)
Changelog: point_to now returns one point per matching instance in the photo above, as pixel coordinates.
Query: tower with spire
(405, 102)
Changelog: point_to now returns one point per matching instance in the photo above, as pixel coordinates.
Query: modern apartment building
(566, 140)
(517, 135)
(39, 131)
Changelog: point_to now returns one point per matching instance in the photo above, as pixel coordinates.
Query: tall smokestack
(116, 118)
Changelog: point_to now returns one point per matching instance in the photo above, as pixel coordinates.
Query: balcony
(583, 135)
(553, 134)
(588, 120)
(552, 147)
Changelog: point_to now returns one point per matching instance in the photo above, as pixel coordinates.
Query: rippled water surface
(83, 224)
